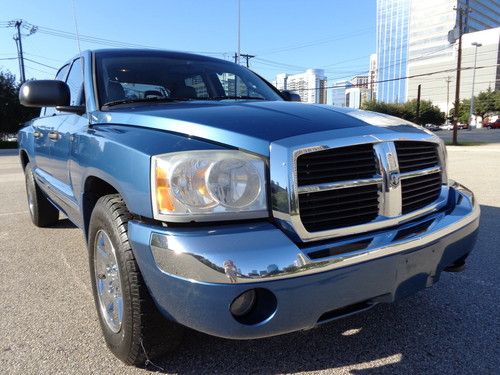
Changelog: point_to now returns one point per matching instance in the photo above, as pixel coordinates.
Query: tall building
(440, 87)
(484, 14)
(392, 47)
(310, 85)
(413, 33)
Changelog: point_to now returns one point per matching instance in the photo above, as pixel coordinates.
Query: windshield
(152, 76)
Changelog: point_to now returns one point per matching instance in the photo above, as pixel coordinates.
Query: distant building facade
(392, 47)
(440, 87)
(351, 93)
(338, 93)
(310, 85)
(415, 33)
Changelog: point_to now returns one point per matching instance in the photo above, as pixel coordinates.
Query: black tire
(144, 333)
(42, 212)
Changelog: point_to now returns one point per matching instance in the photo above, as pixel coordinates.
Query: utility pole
(448, 80)
(475, 44)
(418, 104)
(246, 56)
(19, 43)
(461, 12)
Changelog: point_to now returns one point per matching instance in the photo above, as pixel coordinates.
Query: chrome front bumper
(195, 274)
(260, 252)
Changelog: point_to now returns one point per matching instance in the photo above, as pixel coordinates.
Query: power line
(39, 63)
(104, 41)
(401, 78)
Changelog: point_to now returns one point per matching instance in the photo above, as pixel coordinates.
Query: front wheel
(132, 326)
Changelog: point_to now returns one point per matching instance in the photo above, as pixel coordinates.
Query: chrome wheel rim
(108, 282)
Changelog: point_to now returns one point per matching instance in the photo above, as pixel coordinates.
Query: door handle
(37, 134)
(54, 136)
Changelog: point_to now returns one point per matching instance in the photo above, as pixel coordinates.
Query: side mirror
(290, 96)
(44, 93)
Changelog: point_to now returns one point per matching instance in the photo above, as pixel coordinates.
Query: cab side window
(60, 76)
(75, 83)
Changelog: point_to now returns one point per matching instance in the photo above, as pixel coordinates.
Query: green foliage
(485, 102)
(429, 113)
(12, 113)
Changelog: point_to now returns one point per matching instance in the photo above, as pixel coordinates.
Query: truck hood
(253, 125)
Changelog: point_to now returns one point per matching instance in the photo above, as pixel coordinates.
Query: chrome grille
(413, 156)
(336, 164)
(361, 184)
(338, 208)
(420, 191)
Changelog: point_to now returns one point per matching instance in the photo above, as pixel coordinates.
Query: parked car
(461, 126)
(209, 201)
(446, 127)
(494, 124)
(432, 127)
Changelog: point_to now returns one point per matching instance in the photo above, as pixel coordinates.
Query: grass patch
(465, 143)
(7, 145)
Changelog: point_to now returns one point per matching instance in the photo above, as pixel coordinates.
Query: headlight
(208, 185)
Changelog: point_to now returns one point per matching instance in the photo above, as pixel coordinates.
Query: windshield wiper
(235, 97)
(144, 100)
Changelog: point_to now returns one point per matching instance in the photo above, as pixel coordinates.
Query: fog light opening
(253, 306)
(244, 303)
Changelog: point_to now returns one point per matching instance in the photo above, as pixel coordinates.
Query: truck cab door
(43, 131)
(65, 139)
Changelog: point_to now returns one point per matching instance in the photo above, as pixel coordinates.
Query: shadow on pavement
(450, 328)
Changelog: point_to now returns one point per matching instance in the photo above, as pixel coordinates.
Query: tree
(12, 113)
(487, 101)
(429, 113)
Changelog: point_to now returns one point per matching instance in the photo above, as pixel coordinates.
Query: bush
(429, 113)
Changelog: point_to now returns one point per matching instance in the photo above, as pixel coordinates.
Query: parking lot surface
(48, 323)
(474, 135)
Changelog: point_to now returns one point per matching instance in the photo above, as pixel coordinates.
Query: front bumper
(194, 274)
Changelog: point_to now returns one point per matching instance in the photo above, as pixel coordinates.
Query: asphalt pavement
(48, 323)
(482, 135)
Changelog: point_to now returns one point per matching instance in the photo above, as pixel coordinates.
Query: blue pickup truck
(210, 200)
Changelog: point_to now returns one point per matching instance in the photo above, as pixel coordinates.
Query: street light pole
(238, 56)
(475, 44)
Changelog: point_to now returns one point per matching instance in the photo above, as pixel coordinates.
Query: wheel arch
(25, 159)
(93, 189)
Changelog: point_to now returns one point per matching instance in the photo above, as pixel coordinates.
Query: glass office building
(412, 33)
(483, 15)
(392, 47)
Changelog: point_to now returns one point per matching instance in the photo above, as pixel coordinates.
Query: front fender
(121, 155)
(26, 142)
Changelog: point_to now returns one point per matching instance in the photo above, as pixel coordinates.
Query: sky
(284, 35)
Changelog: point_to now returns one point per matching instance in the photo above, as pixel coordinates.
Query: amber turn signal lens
(163, 198)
